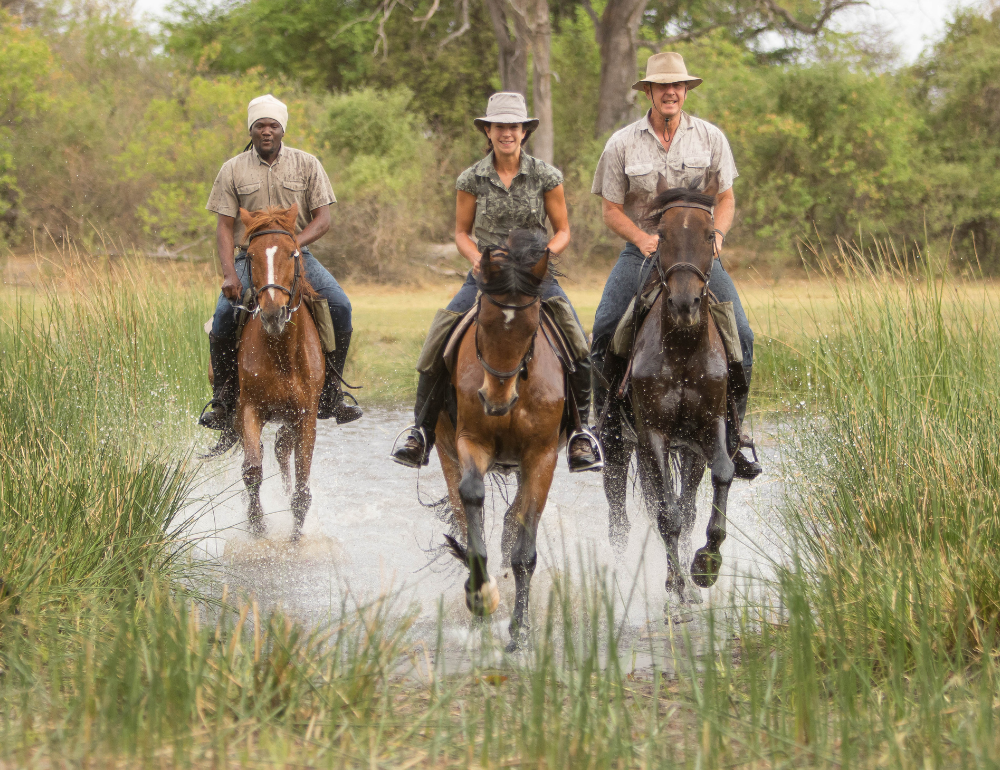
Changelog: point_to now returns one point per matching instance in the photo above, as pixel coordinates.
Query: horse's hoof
(692, 595)
(519, 636)
(258, 530)
(484, 601)
(705, 567)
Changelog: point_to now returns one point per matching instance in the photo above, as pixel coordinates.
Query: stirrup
(213, 403)
(423, 436)
(595, 445)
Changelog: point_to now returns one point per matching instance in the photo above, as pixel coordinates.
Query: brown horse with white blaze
(510, 391)
(281, 364)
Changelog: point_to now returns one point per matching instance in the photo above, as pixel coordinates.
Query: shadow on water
(367, 537)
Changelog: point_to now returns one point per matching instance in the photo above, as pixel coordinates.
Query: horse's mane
(512, 273)
(270, 218)
(684, 194)
(260, 220)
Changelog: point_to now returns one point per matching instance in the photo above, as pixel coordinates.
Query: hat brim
(668, 77)
(529, 125)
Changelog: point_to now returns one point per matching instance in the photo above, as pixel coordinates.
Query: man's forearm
(725, 212)
(224, 243)
(621, 225)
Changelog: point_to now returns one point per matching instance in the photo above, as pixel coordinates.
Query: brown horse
(679, 375)
(281, 365)
(510, 391)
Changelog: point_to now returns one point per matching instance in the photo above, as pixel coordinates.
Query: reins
(286, 309)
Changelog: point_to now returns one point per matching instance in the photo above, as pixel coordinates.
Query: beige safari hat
(667, 68)
(507, 107)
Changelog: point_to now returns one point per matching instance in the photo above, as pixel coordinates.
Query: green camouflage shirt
(499, 209)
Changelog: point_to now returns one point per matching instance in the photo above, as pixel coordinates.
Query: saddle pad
(451, 347)
(557, 339)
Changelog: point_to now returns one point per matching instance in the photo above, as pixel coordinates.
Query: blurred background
(848, 119)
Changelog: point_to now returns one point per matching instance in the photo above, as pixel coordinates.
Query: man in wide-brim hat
(665, 142)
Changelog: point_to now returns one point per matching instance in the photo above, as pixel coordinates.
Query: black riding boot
(416, 450)
(583, 450)
(331, 400)
(744, 468)
(225, 392)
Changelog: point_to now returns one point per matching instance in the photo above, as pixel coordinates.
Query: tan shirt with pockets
(634, 159)
(248, 182)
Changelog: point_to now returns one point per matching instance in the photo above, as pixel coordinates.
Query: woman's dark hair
(489, 142)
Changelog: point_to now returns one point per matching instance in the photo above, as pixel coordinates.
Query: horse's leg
(617, 455)
(283, 444)
(447, 454)
(253, 470)
(511, 525)
(692, 468)
(305, 441)
(653, 454)
(707, 560)
(533, 491)
(481, 594)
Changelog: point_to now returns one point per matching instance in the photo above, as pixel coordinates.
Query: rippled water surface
(366, 536)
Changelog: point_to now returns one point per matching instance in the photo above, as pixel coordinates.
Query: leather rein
(286, 309)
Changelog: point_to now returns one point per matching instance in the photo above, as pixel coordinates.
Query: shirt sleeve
(467, 182)
(550, 176)
(223, 199)
(320, 190)
(610, 181)
(723, 162)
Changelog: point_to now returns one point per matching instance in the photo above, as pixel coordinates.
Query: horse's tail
(457, 549)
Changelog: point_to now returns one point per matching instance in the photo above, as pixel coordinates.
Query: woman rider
(507, 190)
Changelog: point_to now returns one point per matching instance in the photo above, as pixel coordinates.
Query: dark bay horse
(679, 375)
(510, 391)
(281, 364)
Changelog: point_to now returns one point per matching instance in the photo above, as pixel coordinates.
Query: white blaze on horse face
(508, 316)
(271, 251)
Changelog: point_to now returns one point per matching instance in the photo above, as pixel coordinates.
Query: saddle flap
(557, 339)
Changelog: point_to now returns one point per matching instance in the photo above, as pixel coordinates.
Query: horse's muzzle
(496, 410)
(274, 321)
(684, 312)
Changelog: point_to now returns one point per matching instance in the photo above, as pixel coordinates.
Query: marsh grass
(876, 645)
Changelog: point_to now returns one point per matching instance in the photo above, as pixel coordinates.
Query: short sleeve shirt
(500, 209)
(248, 182)
(634, 159)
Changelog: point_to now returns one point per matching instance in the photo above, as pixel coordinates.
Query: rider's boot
(416, 450)
(744, 468)
(225, 392)
(331, 400)
(583, 449)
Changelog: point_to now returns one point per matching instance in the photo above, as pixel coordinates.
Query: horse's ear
(289, 217)
(541, 267)
(245, 217)
(711, 184)
(662, 185)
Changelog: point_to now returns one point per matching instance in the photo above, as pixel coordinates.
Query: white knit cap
(267, 107)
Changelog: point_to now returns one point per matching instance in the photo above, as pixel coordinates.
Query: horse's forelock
(511, 273)
(266, 218)
(659, 204)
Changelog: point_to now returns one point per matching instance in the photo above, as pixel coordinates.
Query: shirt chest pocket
(247, 189)
(690, 169)
(294, 185)
(642, 177)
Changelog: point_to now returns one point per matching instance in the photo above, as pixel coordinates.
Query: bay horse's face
(686, 253)
(273, 258)
(506, 331)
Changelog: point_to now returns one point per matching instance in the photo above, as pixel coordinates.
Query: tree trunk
(512, 49)
(617, 34)
(533, 15)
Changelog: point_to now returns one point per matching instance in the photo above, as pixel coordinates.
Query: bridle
(522, 367)
(286, 309)
(688, 266)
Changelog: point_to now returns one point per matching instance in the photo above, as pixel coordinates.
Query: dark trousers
(224, 320)
(622, 285)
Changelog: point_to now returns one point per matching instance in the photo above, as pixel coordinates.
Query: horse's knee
(524, 556)
(723, 470)
(472, 489)
(668, 521)
(253, 475)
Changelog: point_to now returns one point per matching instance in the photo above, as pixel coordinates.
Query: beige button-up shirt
(247, 181)
(634, 159)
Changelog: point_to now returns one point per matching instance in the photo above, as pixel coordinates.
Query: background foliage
(110, 127)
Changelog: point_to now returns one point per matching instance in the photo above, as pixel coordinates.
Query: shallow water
(366, 536)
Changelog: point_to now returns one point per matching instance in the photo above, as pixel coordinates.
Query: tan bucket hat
(507, 107)
(667, 68)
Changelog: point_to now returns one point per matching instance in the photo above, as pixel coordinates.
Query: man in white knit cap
(268, 173)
